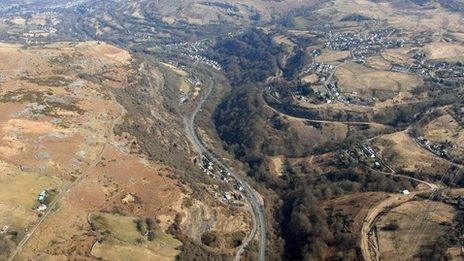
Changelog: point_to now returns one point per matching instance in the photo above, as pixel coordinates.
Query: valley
(220, 130)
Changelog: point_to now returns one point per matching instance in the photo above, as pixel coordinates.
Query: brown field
(444, 51)
(312, 78)
(197, 13)
(400, 98)
(283, 40)
(398, 56)
(412, 232)
(331, 56)
(354, 207)
(276, 165)
(110, 250)
(18, 196)
(47, 134)
(459, 36)
(402, 153)
(175, 69)
(410, 18)
(445, 129)
(104, 188)
(365, 81)
(126, 242)
(378, 62)
(319, 133)
(324, 163)
(57, 128)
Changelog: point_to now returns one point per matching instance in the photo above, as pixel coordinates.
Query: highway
(257, 209)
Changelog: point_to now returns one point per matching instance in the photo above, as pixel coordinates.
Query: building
(4, 230)
(227, 196)
(42, 196)
(42, 208)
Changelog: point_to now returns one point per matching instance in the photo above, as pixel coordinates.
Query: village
(361, 47)
(223, 176)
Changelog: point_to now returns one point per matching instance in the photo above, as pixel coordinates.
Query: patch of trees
(251, 57)
(212, 239)
(396, 116)
(307, 11)
(251, 130)
(8, 242)
(191, 249)
(310, 231)
(438, 250)
(295, 64)
(6, 245)
(393, 226)
(452, 5)
(146, 228)
(355, 18)
(317, 114)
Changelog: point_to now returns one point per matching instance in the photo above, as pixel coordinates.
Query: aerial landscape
(231, 130)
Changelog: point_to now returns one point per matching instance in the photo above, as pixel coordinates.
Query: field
(412, 234)
(49, 135)
(18, 196)
(316, 134)
(360, 80)
(312, 78)
(207, 13)
(57, 129)
(332, 56)
(402, 153)
(378, 63)
(445, 130)
(440, 51)
(404, 15)
(354, 207)
(398, 56)
(276, 165)
(124, 240)
(181, 76)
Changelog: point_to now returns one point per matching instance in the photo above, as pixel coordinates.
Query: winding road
(253, 198)
(369, 251)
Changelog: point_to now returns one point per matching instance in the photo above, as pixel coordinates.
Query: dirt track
(64, 190)
(382, 207)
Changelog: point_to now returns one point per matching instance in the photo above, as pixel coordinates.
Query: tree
(140, 226)
(151, 235)
(150, 223)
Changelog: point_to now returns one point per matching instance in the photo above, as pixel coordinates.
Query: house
(129, 198)
(4, 229)
(42, 196)
(461, 202)
(405, 192)
(239, 187)
(227, 196)
(42, 208)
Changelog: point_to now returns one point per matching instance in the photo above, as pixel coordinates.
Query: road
(64, 190)
(257, 209)
(373, 124)
(383, 206)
